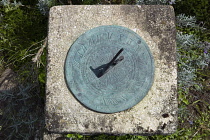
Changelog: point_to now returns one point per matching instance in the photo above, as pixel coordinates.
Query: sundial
(109, 69)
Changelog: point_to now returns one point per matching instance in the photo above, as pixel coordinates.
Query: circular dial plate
(124, 83)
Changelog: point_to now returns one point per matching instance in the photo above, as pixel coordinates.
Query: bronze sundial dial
(109, 69)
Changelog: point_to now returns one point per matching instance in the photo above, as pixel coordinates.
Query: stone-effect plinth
(156, 113)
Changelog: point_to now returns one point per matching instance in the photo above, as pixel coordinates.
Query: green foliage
(122, 1)
(198, 8)
(20, 29)
(90, 2)
(30, 3)
(193, 59)
(22, 107)
(74, 136)
(45, 5)
(186, 21)
(191, 53)
(153, 2)
(201, 10)
(10, 6)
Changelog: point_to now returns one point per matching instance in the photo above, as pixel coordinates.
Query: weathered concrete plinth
(156, 113)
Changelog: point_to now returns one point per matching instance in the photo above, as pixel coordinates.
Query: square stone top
(156, 113)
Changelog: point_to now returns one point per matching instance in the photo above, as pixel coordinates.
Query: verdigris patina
(109, 69)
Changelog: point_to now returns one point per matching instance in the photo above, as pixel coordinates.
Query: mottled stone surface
(156, 113)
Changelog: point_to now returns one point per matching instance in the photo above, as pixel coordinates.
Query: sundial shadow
(99, 71)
